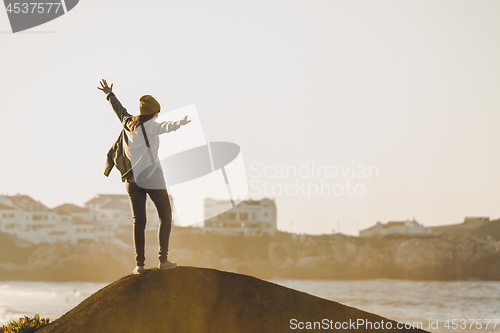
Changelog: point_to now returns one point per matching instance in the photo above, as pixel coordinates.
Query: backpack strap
(147, 144)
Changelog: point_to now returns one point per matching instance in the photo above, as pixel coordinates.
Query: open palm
(184, 121)
(105, 87)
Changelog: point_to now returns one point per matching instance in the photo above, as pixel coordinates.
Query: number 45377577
(470, 324)
(33, 7)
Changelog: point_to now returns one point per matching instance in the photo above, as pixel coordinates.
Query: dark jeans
(160, 199)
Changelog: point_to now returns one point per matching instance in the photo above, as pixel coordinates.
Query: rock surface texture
(192, 299)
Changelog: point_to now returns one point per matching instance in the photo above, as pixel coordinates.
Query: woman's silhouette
(135, 155)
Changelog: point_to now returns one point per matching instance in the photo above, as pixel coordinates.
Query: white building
(249, 217)
(9, 216)
(115, 210)
(80, 225)
(21, 213)
(111, 209)
(395, 227)
(79, 231)
(70, 209)
(32, 221)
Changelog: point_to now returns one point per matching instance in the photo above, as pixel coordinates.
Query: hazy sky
(410, 87)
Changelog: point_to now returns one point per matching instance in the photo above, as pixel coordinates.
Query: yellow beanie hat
(149, 105)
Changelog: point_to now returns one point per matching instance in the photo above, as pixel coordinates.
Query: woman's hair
(139, 120)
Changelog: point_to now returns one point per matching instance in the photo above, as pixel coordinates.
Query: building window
(254, 216)
(222, 216)
(266, 214)
(8, 214)
(231, 216)
(243, 216)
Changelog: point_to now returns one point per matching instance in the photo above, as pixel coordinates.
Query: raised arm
(169, 126)
(120, 111)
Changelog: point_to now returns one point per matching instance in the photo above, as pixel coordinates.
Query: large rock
(190, 299)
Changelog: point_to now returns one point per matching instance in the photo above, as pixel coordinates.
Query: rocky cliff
(417, 257)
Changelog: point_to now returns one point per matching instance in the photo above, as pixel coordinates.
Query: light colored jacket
(130, 151)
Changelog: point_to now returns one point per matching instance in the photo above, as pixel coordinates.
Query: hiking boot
(139, 270)
(166, 264)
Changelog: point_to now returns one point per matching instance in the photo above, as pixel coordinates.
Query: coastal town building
(114, 210)
(478, 220)
(34, 222)
(70, 209)
(249, 217)
(78, 231)
(470, 223)
(21, 213)
(395, 227)
(99, 220)
(111, 209)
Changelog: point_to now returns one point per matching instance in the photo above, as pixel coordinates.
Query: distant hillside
(475, 255)
(191, 300)
(14, 250)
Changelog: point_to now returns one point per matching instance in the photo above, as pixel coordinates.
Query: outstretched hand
(105, 87)
(184, 121)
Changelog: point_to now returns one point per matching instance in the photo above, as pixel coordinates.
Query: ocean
(416, 301)
(472, 304)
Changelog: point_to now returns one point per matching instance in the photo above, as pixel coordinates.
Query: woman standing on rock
(135, 155)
